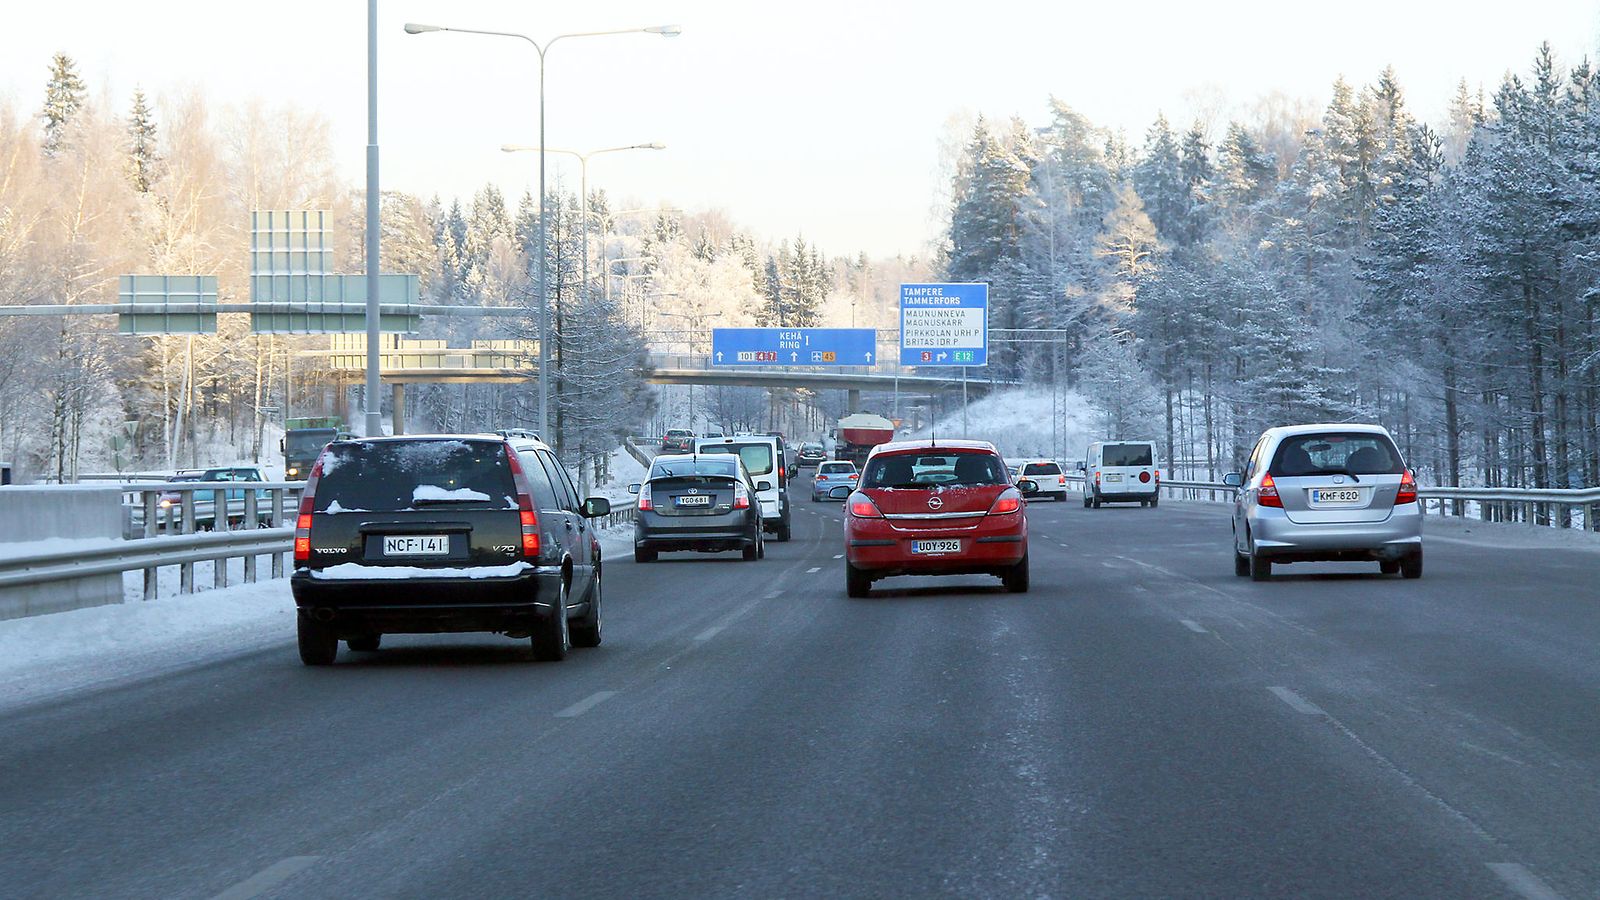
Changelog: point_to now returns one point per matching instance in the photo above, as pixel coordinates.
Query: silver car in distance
(1313, 493)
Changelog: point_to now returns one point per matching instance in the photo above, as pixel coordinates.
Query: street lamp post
(583, 188)
(544, 305)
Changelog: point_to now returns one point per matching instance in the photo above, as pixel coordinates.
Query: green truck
(304, 438)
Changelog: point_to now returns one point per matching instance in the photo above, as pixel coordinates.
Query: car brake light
(525, 512)
(1408, 489)
(645, 503)
(302, 525)
(863, 508)
(1267, 495)
(1009, 501)
(741, 496)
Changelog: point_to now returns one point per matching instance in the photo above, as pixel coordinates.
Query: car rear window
(1041, 469)
(757, 457)
(1356, 453)
(678, 468)
(1127, 455)
(935, 469)
(396, 475)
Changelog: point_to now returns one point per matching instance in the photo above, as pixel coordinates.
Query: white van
(1121, 472)
(763, 456)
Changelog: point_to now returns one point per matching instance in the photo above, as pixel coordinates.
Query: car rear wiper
(1340, 470)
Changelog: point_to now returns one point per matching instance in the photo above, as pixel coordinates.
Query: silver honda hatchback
(1313, 493)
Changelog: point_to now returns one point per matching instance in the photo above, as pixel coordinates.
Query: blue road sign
(794, 347)
(944, 324)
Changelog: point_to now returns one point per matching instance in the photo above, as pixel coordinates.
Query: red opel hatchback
(936, 508)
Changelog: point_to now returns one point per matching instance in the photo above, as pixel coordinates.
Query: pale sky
(822, 117)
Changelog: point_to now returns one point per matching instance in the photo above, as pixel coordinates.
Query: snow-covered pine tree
(64, 94)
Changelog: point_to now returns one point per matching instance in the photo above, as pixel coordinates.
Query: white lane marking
(838, 556)
(268, 878)
(1193, 626)
(586, 704)
(813, 570)
(1519, 879)
(1296, 702)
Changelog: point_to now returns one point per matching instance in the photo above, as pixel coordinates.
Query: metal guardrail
(1503, 504)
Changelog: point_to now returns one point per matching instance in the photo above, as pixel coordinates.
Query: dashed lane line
(1525, 883)
(1296, 702)
(586, 704)
(268, 878)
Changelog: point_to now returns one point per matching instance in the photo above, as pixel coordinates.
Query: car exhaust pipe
(323, 614)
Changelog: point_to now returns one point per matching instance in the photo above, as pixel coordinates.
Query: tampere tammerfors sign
(944, 324)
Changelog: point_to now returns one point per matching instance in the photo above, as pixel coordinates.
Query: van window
(1041, 469)
(757, 457)
(1114, 455)
(1355, 453)
(392, 475)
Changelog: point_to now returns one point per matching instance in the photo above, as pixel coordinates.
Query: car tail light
(1009, 501)
(645, 503)
(525, 511)
(302, 525)
(1144, 477)
(1268, 493)
(862, 507)
(1408, 489)
(741, 496)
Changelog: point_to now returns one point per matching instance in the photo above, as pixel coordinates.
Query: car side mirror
(1233, 479)
(1027, 486)
(840, 493)
(634, 488)
(595, 507)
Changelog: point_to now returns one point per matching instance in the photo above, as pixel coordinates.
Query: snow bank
(1018, 422)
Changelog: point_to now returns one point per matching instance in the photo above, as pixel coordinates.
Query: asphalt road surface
(1142, 724)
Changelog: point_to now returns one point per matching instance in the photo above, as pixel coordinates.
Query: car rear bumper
(428, 605)
(730, 531)
(994, 546)
(1275, 537)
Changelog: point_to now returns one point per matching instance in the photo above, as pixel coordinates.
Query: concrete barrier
(48, 518)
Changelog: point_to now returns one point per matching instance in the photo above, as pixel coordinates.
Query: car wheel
(857, 583)
(641, 555)
(1241, 563)
(1389, 566)
(366, 643)
(1016, 580)
(318, 642)
(586, 631)
(1411, 566)
(552, 637)
(784, 531)
(1260, 566)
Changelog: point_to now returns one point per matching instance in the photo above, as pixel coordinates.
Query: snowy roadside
(54, 656)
